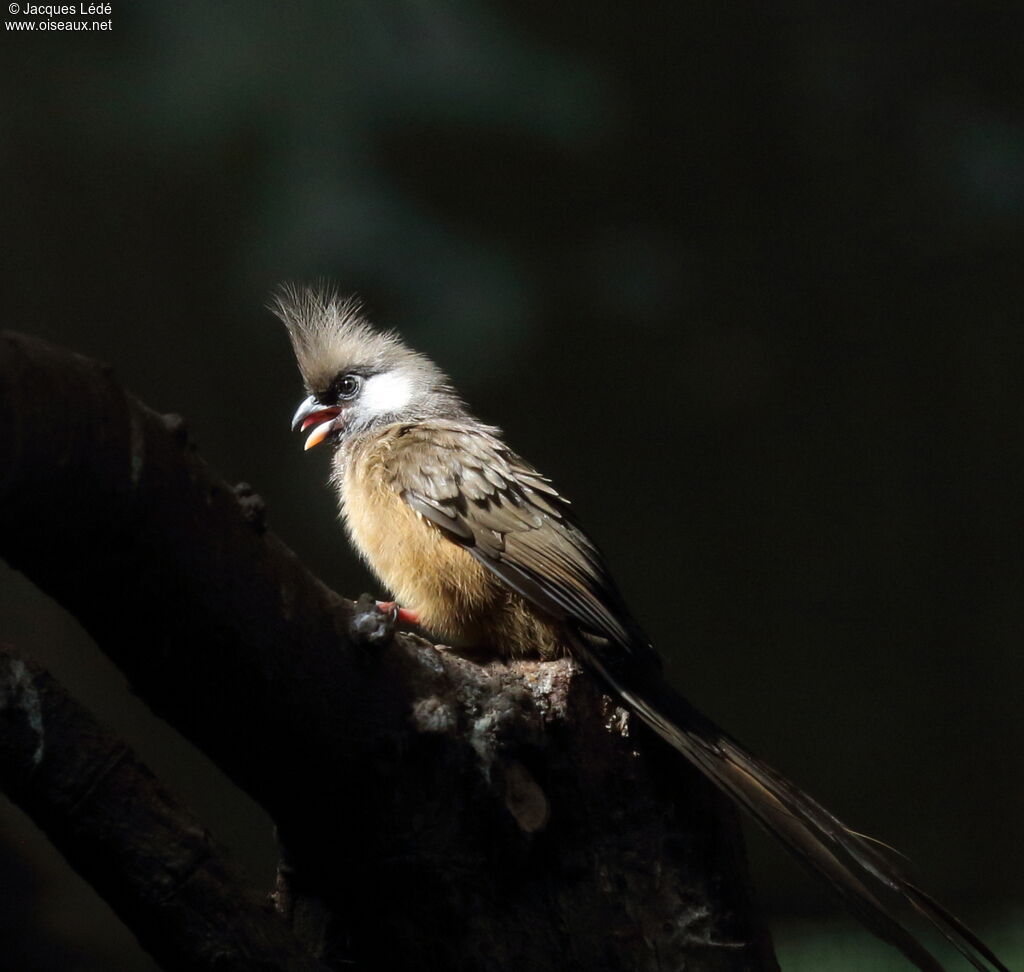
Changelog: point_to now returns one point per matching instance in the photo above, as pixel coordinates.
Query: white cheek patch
(386, 393)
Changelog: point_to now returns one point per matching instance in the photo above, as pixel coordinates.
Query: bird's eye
(347, 387)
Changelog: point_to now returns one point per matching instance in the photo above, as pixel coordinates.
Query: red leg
(404, 615)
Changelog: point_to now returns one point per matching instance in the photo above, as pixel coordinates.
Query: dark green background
(744, 279)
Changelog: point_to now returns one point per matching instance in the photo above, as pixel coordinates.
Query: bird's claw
(373, 622)
(399, 615)
(370, 626)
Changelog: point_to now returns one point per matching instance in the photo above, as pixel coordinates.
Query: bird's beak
(311, 412)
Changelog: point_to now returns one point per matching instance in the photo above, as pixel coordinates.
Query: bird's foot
(399, 615)
(374, 622)
(369, 626)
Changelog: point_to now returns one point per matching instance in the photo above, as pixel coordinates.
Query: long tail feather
(846, 861)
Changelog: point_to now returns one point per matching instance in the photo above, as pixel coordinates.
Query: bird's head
(358, 379)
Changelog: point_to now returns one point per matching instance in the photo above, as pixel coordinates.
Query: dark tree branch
(438, 813)
(122, 831)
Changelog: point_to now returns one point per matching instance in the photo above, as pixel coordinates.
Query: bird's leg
(399, 615)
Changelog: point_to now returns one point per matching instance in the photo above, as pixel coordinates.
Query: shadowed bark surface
(150, 858)
(437, 812)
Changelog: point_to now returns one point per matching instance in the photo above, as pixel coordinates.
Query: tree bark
(438, 813)
(123, 832)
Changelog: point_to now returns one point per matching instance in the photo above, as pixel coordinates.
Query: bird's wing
(485, 498)
(511, 519)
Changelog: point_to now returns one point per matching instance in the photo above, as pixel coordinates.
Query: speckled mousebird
(482, 550)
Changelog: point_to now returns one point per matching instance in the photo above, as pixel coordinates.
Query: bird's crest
(329, 335)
